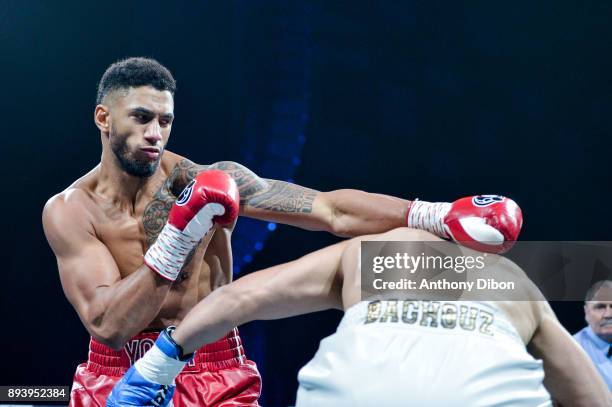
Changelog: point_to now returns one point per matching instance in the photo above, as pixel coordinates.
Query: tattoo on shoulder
(182, 173)
(248, 183)
(156, 213)
(272, 195)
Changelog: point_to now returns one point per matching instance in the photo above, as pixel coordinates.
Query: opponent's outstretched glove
(150, 381)
(489, 223)
(212, 197)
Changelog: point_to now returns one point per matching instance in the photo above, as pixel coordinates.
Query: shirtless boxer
(388, 353)
(130, 270)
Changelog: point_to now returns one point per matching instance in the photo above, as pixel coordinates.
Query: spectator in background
(596, 338)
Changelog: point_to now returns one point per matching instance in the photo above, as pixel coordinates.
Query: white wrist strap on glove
(157, 367)
(167, 255)
(429, 216)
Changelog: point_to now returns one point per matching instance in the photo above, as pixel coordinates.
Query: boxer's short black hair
(134, 72)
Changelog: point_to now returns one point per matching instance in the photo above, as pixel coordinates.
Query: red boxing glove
(489, 223)
(212, 196)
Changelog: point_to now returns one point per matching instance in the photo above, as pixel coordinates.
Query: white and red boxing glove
(489, 223)
(211, 197)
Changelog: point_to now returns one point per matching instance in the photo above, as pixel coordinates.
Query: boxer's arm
(488, 223)
(311, 283)
(112, 309)
(344, 212)
(570, 376)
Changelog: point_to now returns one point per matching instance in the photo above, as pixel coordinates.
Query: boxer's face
(598, 313)
(140, 122)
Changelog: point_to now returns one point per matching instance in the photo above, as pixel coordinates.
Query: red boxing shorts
(219, 374)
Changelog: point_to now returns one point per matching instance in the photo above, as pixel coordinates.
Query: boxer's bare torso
(126, 229)
(127, 232)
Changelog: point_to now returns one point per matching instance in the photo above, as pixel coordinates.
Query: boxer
(132, 261)
(387, 352)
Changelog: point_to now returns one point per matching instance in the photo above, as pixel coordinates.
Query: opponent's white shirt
(422, 353)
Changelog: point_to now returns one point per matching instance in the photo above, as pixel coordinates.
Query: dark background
(435, 100)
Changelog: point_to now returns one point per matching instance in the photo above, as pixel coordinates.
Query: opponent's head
(598, 309)
(134, 112)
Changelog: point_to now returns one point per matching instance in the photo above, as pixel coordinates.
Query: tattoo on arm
(256, 192)
(156, 212)
(271, 195)
(182, 174)
(284, 197)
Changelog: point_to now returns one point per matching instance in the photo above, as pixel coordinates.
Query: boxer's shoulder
(180, 171)
(72, 207)
(67, 220)
(77, 197)
(170, 161)
(76, 208)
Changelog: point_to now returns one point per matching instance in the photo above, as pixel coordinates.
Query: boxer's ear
(101, 118)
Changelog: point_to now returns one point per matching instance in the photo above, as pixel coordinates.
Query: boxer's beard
(133, 166)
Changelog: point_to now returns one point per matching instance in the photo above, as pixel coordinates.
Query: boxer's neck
(117, 185)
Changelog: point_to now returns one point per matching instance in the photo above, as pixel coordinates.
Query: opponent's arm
(311, 283)
(570, 376)
(487, 223)
(112, 309)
